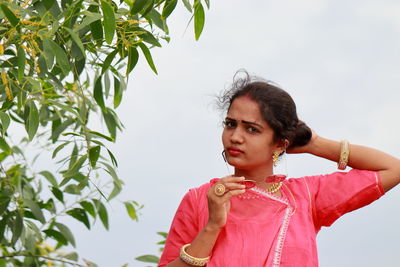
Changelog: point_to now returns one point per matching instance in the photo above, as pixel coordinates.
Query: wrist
(212, 228)
(313, 146)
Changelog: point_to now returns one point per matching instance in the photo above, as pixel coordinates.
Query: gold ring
(219, 189)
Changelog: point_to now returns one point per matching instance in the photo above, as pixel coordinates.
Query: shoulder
(352, 180)
(354, 176)
(202, 189)
(197, 195)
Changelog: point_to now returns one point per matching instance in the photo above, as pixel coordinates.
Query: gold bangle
(190, 259)
(344, 154)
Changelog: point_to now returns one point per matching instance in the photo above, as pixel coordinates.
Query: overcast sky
(340, 62)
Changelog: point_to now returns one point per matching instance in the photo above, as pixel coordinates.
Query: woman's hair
(276, 106)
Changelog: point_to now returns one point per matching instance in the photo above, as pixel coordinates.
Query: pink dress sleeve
(184, 227)
(335, 194)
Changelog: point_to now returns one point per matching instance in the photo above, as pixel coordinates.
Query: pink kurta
(266, 230)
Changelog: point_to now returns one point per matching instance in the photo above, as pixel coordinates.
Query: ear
(282, 145)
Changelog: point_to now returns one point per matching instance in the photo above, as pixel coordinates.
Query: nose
(236, 136)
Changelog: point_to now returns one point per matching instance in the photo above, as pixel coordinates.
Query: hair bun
(301, 136)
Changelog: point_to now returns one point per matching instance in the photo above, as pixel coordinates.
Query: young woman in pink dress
(255, 219)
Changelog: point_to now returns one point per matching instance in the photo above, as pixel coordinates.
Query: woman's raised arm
(360, 157)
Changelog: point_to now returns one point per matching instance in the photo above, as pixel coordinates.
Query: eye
(252, 129)
(230, 124)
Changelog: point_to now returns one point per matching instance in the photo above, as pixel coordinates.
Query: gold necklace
(274, 187)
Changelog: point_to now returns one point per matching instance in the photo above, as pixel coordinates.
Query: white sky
(340, 62)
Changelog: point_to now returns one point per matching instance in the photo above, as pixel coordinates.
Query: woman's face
(248, 140)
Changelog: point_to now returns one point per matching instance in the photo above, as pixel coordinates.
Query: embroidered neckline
(283, 199)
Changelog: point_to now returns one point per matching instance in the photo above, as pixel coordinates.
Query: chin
(237, 164)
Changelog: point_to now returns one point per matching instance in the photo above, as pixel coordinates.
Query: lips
(234, 151)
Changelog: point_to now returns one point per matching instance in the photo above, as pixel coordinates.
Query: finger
(230, 179)
(232, 193)
(232, 186)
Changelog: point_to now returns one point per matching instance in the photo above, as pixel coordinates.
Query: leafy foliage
(58, 63)
(153, 258)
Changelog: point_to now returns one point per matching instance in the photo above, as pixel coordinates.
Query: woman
(254, 218)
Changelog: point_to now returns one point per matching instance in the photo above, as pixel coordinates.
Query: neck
(256, 174)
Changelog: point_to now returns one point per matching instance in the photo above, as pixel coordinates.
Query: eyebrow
(246, 122)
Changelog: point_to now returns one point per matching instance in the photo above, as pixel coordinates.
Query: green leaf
(79, 65)
(107, 84)
(31, 225)
(133, 57)
(147, 36)
(4, 201)
(66, 233)
(58, 194)
(116, 190)
(111, 171)
(80, 215)
(187, 5)
(148, 56)
(4, 146)
(86, 205)
(159, 21)
(94, 153)
(48, 53)
(61, 57)
(148, 258)
(98, 93)
(14, 20)
(77, 40)
(35, 85)
(5, 122)
(74, 156)
(76, 167)
(50, 206)
(199, 18)
(57, 149)
(36, 210)
(102, 136)
(72, 189)
(163, 234)
(207, 3)
(111, 122)
(138, 5)
(50, 177)
(58, 128)
(94, 20)
(113, 159)
(92, 15)
(56, 236)
(102, 211)
(17, 228)
(21, 62)
(4, 221)
(108, 21)
(149, 7)
(131, 210)
(107, 62)
(169, 6)
(71, 256)
(117, 92)
(129, 3)
(33, 120)
(48, 3)
(29, 240)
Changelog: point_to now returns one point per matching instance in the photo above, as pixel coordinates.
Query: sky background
(340, 62)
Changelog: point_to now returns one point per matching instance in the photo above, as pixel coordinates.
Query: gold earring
(275, 157)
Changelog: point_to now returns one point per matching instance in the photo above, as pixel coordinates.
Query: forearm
(200, 247)
(361, 157)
